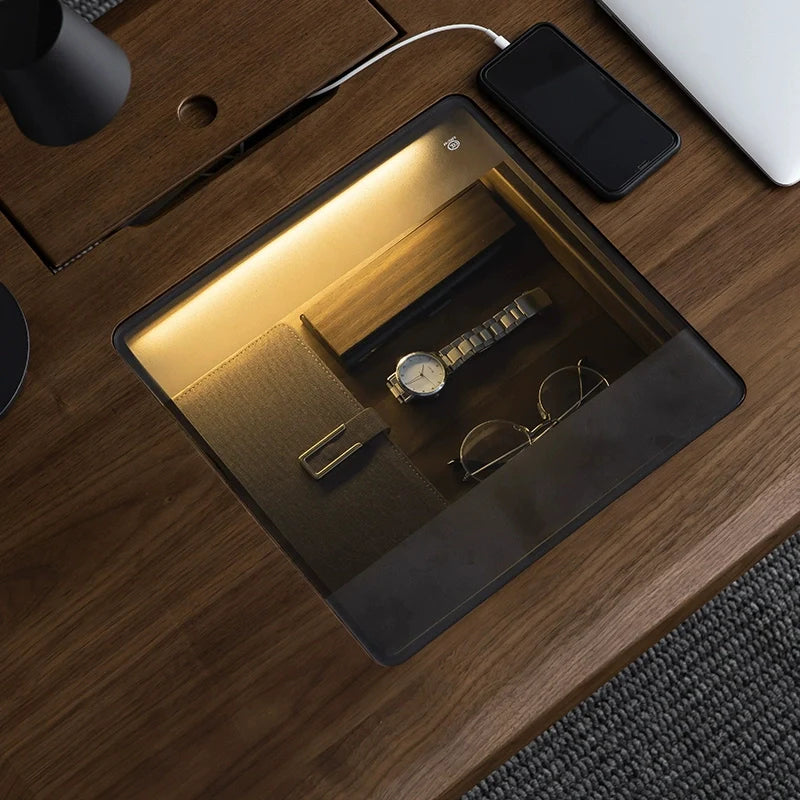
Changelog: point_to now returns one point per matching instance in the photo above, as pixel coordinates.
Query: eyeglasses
(490, 445)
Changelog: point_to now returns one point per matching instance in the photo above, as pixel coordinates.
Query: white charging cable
(500, 41)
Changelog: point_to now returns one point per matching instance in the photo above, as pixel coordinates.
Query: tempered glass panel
(292, 333)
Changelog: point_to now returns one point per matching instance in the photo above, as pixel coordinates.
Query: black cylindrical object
(63, 79)
(14, 349)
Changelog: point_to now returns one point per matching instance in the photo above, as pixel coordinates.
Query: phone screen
(579, 109)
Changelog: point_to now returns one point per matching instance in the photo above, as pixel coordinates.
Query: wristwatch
(423, 374)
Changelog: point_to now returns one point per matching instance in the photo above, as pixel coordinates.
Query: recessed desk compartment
(275, 359)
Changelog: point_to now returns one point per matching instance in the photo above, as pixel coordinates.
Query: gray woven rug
(91, 9)
(712, 712)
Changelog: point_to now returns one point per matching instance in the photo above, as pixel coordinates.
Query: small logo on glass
(452, 143)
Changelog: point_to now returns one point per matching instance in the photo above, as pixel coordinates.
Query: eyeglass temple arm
(541, 429)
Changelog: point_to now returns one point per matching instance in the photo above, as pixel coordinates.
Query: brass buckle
(314, 449)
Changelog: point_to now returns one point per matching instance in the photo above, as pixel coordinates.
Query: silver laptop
(739, 60)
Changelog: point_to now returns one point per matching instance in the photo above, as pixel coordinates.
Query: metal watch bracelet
(501, 324)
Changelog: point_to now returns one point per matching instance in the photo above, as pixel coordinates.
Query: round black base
(14, 349)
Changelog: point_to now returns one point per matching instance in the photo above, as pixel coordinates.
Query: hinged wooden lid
(253, 60)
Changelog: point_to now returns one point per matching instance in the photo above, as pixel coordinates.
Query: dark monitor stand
(14, 349)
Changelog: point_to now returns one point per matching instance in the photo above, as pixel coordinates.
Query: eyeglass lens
(492, 444)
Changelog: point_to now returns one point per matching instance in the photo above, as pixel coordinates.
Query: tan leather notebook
(272, 402)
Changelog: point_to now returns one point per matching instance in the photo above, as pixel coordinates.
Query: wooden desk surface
(156, 644)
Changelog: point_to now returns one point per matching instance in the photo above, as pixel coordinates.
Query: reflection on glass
(493, 444)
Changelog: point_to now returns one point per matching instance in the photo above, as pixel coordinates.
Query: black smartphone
(590, 121)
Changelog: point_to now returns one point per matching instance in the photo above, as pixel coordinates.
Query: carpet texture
(91, 9)
(712, 712)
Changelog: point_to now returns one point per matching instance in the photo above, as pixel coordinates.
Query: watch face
(422, 374)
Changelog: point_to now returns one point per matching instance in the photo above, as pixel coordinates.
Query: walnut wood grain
(153, 643)
(254, 61)
(346, 313)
